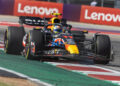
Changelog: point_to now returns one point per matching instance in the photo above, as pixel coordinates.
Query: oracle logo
(27, 9)
(101, 16)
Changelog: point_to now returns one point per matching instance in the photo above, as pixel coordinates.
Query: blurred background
(102, 3)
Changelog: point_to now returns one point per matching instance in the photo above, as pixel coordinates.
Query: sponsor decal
(57, 42)
(100, 15)
(35, 8)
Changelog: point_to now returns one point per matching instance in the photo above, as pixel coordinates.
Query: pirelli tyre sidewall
(13, 40)
(103, 48)
(37, 37)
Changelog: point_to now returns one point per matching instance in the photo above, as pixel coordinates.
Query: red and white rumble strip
(1, 45)
(4, 23)
(91, 71)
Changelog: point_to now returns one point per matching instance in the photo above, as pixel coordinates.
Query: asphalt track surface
(114, 36)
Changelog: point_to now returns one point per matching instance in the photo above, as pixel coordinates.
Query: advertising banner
(100, 15)
(6, 7)
(71, 12)
(36, 9)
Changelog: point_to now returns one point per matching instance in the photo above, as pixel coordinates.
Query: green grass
(4, 84)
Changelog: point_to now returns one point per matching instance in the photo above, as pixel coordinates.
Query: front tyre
(35, 44)
(102, 48)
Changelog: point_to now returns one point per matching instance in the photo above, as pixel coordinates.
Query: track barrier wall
(100, 15)
(6, 7)
(71, 12)
(78, 13)
(35, 8)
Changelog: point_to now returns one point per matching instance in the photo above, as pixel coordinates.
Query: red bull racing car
(44, 42)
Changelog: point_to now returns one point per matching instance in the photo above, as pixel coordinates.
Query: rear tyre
(103, 48)
(37, 38)
(13, 40)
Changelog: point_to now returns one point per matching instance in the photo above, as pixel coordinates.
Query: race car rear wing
(33, 21)
(36, 21)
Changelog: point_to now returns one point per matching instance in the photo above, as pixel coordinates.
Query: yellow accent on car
(55, 18)
(28, 50)
(72, 49)
(56, 14)
(37, 28)
(85, 31)
(27, 53)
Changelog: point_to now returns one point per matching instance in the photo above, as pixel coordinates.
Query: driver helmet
(57, 29)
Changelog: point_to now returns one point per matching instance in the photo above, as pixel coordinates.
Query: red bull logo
(59, 41)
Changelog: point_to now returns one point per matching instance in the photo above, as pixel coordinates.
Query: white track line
(27, 77)
(116, 82)
(70, 64)
(114, 71)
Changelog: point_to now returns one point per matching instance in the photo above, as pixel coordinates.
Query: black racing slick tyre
(103, 48)
(13, 40)
(37, 38)
(78, 36)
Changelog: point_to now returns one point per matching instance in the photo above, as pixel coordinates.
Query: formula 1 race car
(42, 42)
